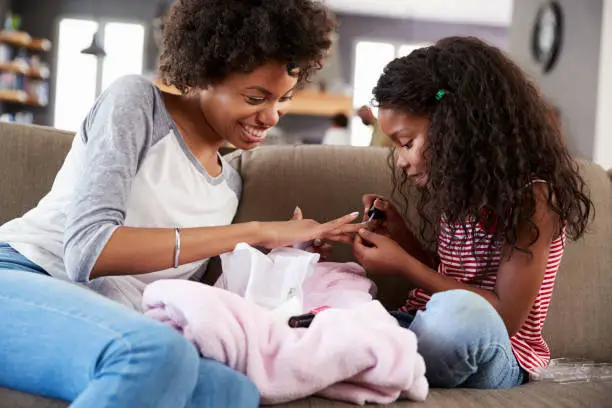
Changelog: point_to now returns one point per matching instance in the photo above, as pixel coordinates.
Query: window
(370, 61)
(76, 73)
(81, 78)
(124, 45)
(406, 49)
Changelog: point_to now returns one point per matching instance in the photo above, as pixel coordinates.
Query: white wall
(603, 129)
(572, 85)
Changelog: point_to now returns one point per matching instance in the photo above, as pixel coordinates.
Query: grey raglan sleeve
(117, 135)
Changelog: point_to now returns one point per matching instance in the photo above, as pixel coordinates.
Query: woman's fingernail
(296, 210)
(354, 214)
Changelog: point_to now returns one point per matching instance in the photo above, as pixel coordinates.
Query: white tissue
(272, 281)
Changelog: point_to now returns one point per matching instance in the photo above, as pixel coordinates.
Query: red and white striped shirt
(457, 261)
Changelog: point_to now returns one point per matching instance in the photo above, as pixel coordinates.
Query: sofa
(328, 182)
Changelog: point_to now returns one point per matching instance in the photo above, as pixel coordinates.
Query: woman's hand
(286, 233)
(319, 246)
(379, 254)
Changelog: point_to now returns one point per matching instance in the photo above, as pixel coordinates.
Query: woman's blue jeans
(62, 341)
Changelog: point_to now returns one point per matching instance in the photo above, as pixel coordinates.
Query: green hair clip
(440, 94)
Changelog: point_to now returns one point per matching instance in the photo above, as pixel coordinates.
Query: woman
(144, 195)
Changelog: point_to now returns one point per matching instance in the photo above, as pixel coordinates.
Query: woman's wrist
(255, 233)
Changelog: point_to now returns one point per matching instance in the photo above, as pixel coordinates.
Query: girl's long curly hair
(490, 135)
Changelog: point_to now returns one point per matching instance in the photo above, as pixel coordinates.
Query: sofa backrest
(579, 323)
(30, 156)
(328, 182)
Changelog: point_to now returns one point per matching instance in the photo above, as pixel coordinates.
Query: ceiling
(487, 12)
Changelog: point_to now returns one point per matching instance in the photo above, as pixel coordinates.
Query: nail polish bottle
(376, 218)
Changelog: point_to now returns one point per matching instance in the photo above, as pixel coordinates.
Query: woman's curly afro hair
(490, 135)
(207, 40)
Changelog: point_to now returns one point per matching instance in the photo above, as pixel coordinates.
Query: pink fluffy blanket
(357, 354)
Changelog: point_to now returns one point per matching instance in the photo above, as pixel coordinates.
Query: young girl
(502, 192)
(144, 195)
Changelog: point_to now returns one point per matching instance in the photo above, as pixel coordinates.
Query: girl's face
(243, 107)
(409, 134)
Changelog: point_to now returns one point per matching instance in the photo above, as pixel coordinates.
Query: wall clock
(547, 35)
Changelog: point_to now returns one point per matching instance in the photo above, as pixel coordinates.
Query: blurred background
(56, 56)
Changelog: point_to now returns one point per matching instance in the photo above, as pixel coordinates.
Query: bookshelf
(24, 76)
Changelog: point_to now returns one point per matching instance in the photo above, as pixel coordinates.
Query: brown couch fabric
(29, 159)
(583, 395)
(328, 182)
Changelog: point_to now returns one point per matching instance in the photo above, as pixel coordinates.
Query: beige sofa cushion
(528, 396)
(578, 324)
(586, 395)
(30, 156)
